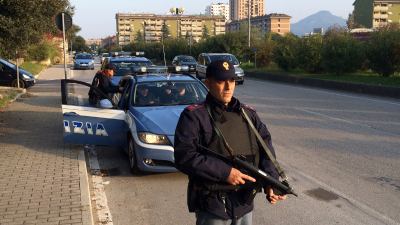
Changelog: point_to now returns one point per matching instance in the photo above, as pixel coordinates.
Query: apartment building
(151, 25)
(274, 22)
(376, 13)
(218, 9)
(239, 9)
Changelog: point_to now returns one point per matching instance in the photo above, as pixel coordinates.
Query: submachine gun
(262, 178)
(282, 187)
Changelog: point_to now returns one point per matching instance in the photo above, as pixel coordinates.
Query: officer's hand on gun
(272, 197)
(237, 178)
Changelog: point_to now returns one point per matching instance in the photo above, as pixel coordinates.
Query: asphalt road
(341, 151)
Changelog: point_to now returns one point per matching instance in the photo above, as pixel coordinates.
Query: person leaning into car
(102, 80)
(198, 126)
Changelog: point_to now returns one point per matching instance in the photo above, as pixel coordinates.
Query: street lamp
(177, 12)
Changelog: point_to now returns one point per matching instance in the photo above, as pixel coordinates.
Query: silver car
(205, 59)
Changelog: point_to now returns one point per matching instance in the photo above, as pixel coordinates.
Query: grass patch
(33, 68)
(7, 95)
(358, 77)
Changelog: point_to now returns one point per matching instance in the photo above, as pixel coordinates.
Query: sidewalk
(42, 181)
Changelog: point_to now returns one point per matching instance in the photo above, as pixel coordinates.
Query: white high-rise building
(218, 9)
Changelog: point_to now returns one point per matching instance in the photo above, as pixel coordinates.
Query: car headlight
(143, 69)
(26, 76)
(150, 138)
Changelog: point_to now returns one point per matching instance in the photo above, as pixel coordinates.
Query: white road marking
(339, 94)
(100, 198)
(364, 208)
(343, 120)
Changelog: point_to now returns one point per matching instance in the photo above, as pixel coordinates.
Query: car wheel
(132, 157)
(241, 82)
(15, 84)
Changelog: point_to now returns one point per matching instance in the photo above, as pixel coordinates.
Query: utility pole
(65, 58)
(249, 20)
(16, 53)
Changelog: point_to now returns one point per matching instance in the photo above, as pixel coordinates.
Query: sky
(97, 17)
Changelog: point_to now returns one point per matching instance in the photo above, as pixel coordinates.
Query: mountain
(323, 19)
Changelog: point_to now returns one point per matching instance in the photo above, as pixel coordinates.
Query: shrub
(284, 53)
(341, 52)
(43, 51)
(383, 52)
(309, 53)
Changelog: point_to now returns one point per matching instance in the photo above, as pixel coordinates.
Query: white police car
(142, 120)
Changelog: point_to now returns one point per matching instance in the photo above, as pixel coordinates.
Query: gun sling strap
(265, 147)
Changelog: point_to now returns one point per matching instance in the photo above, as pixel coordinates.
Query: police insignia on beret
(225, 65)
(220, 70)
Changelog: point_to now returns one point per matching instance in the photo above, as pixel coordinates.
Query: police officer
(217, 192)
(102, 80)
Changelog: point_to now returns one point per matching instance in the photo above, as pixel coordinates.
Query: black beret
(221, 70)
(109, 66)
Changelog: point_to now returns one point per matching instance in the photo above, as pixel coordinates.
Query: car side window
(207, 61)
(1, 67)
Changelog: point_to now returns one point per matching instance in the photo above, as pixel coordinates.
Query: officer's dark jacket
(103, 82)
(194, 128)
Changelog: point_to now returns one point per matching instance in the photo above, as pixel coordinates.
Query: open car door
(88, 124)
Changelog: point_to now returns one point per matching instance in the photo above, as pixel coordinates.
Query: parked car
(185, 60)
(205, 59)
(142, 121)
(8, 75)
(104, 56)
(83, 61)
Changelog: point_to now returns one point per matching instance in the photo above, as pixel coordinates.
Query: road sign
(67, 21)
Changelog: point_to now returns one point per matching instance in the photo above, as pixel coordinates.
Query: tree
(285, 52)
(308, 53)
(264, 47)
(383, 52)
(23, 22)
(341, 52)
(79, 45)
(139, 36)
(165, 31)
(205, 32)
(70, 34)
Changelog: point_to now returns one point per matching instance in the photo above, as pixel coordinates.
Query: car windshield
(187, 59)
(125, 68)
(231, 58)
(83, 57)
(168, 93)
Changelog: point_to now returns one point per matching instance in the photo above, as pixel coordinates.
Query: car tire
(15, 84)
(241, 82)
(132, 157)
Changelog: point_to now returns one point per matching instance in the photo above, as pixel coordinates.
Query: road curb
(20, 90)
(384, 91)
(87, 213)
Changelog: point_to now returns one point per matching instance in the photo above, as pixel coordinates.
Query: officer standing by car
(218, 193)
(102, 80)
